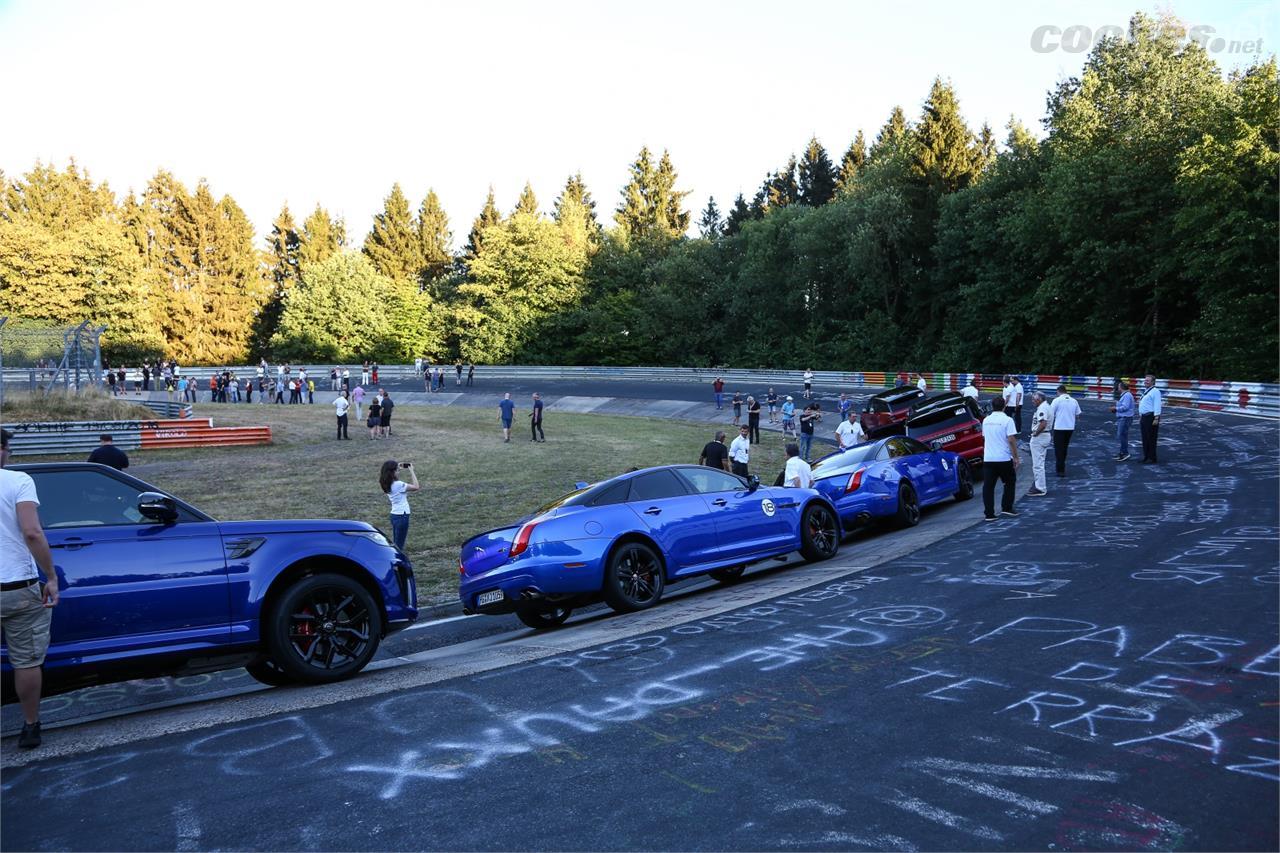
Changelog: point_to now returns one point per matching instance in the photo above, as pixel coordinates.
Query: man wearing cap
(106, 453)
(788, 416)
(24, 605)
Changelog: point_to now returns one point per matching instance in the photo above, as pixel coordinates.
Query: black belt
(12, 585)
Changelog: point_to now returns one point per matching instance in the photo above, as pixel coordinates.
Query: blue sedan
(624, 539)
(153, 586)
(890, 478)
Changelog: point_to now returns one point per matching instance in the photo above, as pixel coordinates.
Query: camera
(406, 464)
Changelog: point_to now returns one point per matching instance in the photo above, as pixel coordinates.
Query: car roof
(896, 393)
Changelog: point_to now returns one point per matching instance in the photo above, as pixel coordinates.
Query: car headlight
(374, 536)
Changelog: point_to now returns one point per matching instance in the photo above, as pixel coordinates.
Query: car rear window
(949, 417)
(844, 461)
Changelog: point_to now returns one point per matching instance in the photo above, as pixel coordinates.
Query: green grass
(57, 405)
(471, 481)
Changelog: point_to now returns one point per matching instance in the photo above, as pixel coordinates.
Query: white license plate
(946, 438)
(491, 597)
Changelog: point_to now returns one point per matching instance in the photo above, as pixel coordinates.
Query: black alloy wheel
(634, 579)
(543, 618)
(324, 628)
(908, 506)
(819, 533)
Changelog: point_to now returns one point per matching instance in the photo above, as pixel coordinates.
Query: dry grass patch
(58, 405)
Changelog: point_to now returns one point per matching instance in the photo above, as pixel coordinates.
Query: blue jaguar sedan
(624, 539)
(153, 586)
(890, 478)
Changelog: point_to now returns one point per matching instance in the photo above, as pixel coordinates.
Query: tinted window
(936, 420)
(897, 448)
(844, 461)
(874, 405)
(656, 485)
(705, 480)
(915, 446)
(88, 499)
(614, 494)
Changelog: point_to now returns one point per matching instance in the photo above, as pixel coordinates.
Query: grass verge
(58, 405)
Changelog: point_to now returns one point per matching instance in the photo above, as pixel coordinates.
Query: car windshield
(843, 461)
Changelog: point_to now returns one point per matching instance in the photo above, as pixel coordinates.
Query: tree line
(1138, 233)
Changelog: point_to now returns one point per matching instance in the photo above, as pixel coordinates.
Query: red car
(953, 421)
(888, 409)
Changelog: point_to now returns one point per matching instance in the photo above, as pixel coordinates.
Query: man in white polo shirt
(740, 452)
(850, 432)
(999, 460)
(798, 474)
(24, 606)
(1041, 436)
(1149, 408)
(969, 390)
(1063, 413)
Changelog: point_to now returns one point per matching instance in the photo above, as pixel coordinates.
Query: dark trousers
(1150, 433)
(342, 427)
(740, 468)
(535, 427)
(753, 428)
(1003, 471)
(1061, 440)
(1017, 418)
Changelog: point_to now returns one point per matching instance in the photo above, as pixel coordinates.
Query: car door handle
(653, 510)
(73, 544)
(719, 502)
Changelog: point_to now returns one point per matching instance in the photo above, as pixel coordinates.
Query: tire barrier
(81, 437)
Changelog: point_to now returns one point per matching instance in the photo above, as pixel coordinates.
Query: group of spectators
(433, 378)
(380, 409)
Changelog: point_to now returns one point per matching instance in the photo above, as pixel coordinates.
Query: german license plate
(493, 596)
(946, 438)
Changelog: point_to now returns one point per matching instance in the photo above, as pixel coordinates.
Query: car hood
(292, 525)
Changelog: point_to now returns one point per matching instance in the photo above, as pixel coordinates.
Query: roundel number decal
(767, 506)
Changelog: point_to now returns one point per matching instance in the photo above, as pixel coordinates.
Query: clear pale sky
(306, 102)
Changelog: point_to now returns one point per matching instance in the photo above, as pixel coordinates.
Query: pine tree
(651, 205)
(781, 187)
(943, 154)
(984, 153)
(634, 216)
(528, 202)
(739, 214)
(575, 190)
(710, 225)
(488, 217)
(322, 237)
(817, 179)
(284, 247)
(668, 203)
(891, 137)
(392, 245)
(855, 159)
(434, 238)
(1020, 141)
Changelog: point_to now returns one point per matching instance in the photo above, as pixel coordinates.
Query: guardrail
(81, 437)
(1250, 398)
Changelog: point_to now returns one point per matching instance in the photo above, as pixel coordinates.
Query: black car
(888, 409)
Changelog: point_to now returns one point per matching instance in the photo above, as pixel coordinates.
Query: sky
(276, 101)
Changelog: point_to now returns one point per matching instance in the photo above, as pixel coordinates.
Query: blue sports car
(624, 539)
(152, 586)
(890, 477)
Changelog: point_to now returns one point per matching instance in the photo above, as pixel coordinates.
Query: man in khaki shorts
(24, 607)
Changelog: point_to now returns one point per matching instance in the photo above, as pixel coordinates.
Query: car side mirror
(753, 483)
(935, 446)
(158, 507)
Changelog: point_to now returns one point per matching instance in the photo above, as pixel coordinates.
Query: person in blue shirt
(1124, 409)
(788, 417)
(1149, 418)
(506, 411)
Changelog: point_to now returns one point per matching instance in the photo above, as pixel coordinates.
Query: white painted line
(418, 626)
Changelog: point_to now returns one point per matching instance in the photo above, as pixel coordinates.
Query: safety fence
(1250, 398)
(81, 437)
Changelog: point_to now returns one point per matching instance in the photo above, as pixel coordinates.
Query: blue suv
(153, 586)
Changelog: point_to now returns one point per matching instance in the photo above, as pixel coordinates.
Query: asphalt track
(1100, 673)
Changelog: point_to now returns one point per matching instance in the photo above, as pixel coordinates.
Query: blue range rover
(153, 586)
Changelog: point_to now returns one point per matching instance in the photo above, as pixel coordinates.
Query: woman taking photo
(397, 491)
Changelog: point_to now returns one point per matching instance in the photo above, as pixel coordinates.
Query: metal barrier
(81, 437)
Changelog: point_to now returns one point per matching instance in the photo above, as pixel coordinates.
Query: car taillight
(461, 570)
(855, 480)
(522, 539)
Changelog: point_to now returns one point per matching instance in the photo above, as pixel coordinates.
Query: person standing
(373, 373)
(25, 608)
(364, 373)
(715, 454)
(1017, 404)
(808, 421)
(333, 378)
(850, 432)
(506, 412)
(471, 373)
(1124, 409)
(384, 416)
(920, 383)
(753, 419)
(279, 390)
(1063, 413)
(788, 417)
(375, 418)
(458, 367)
(535, 420)
(740, 453)
(346, 379)
(797, 474)
(718, 387)
(182, 388)
(737, 407)
(1006, 394)
(146, 376)
(772, 399)
(397, 492)
(311, 391)
(106, 453)
(999, 460)
(969, 390)
(1149, 408)
(340, 406)
(808, 383)
(845, 405)
(357, 397)
(1041, 438)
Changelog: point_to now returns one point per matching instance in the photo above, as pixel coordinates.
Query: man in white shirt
(24, 607)
(1016, 414)
(740, 451)
(850, 432)
(1149, 408)
(920, 383)
(340, 406)
(1063, 413)
(970, 390)
(1041, 438)
(999, 460)
(798, 474)
(808, 383)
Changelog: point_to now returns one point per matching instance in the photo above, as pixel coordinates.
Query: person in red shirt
(718, 385)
